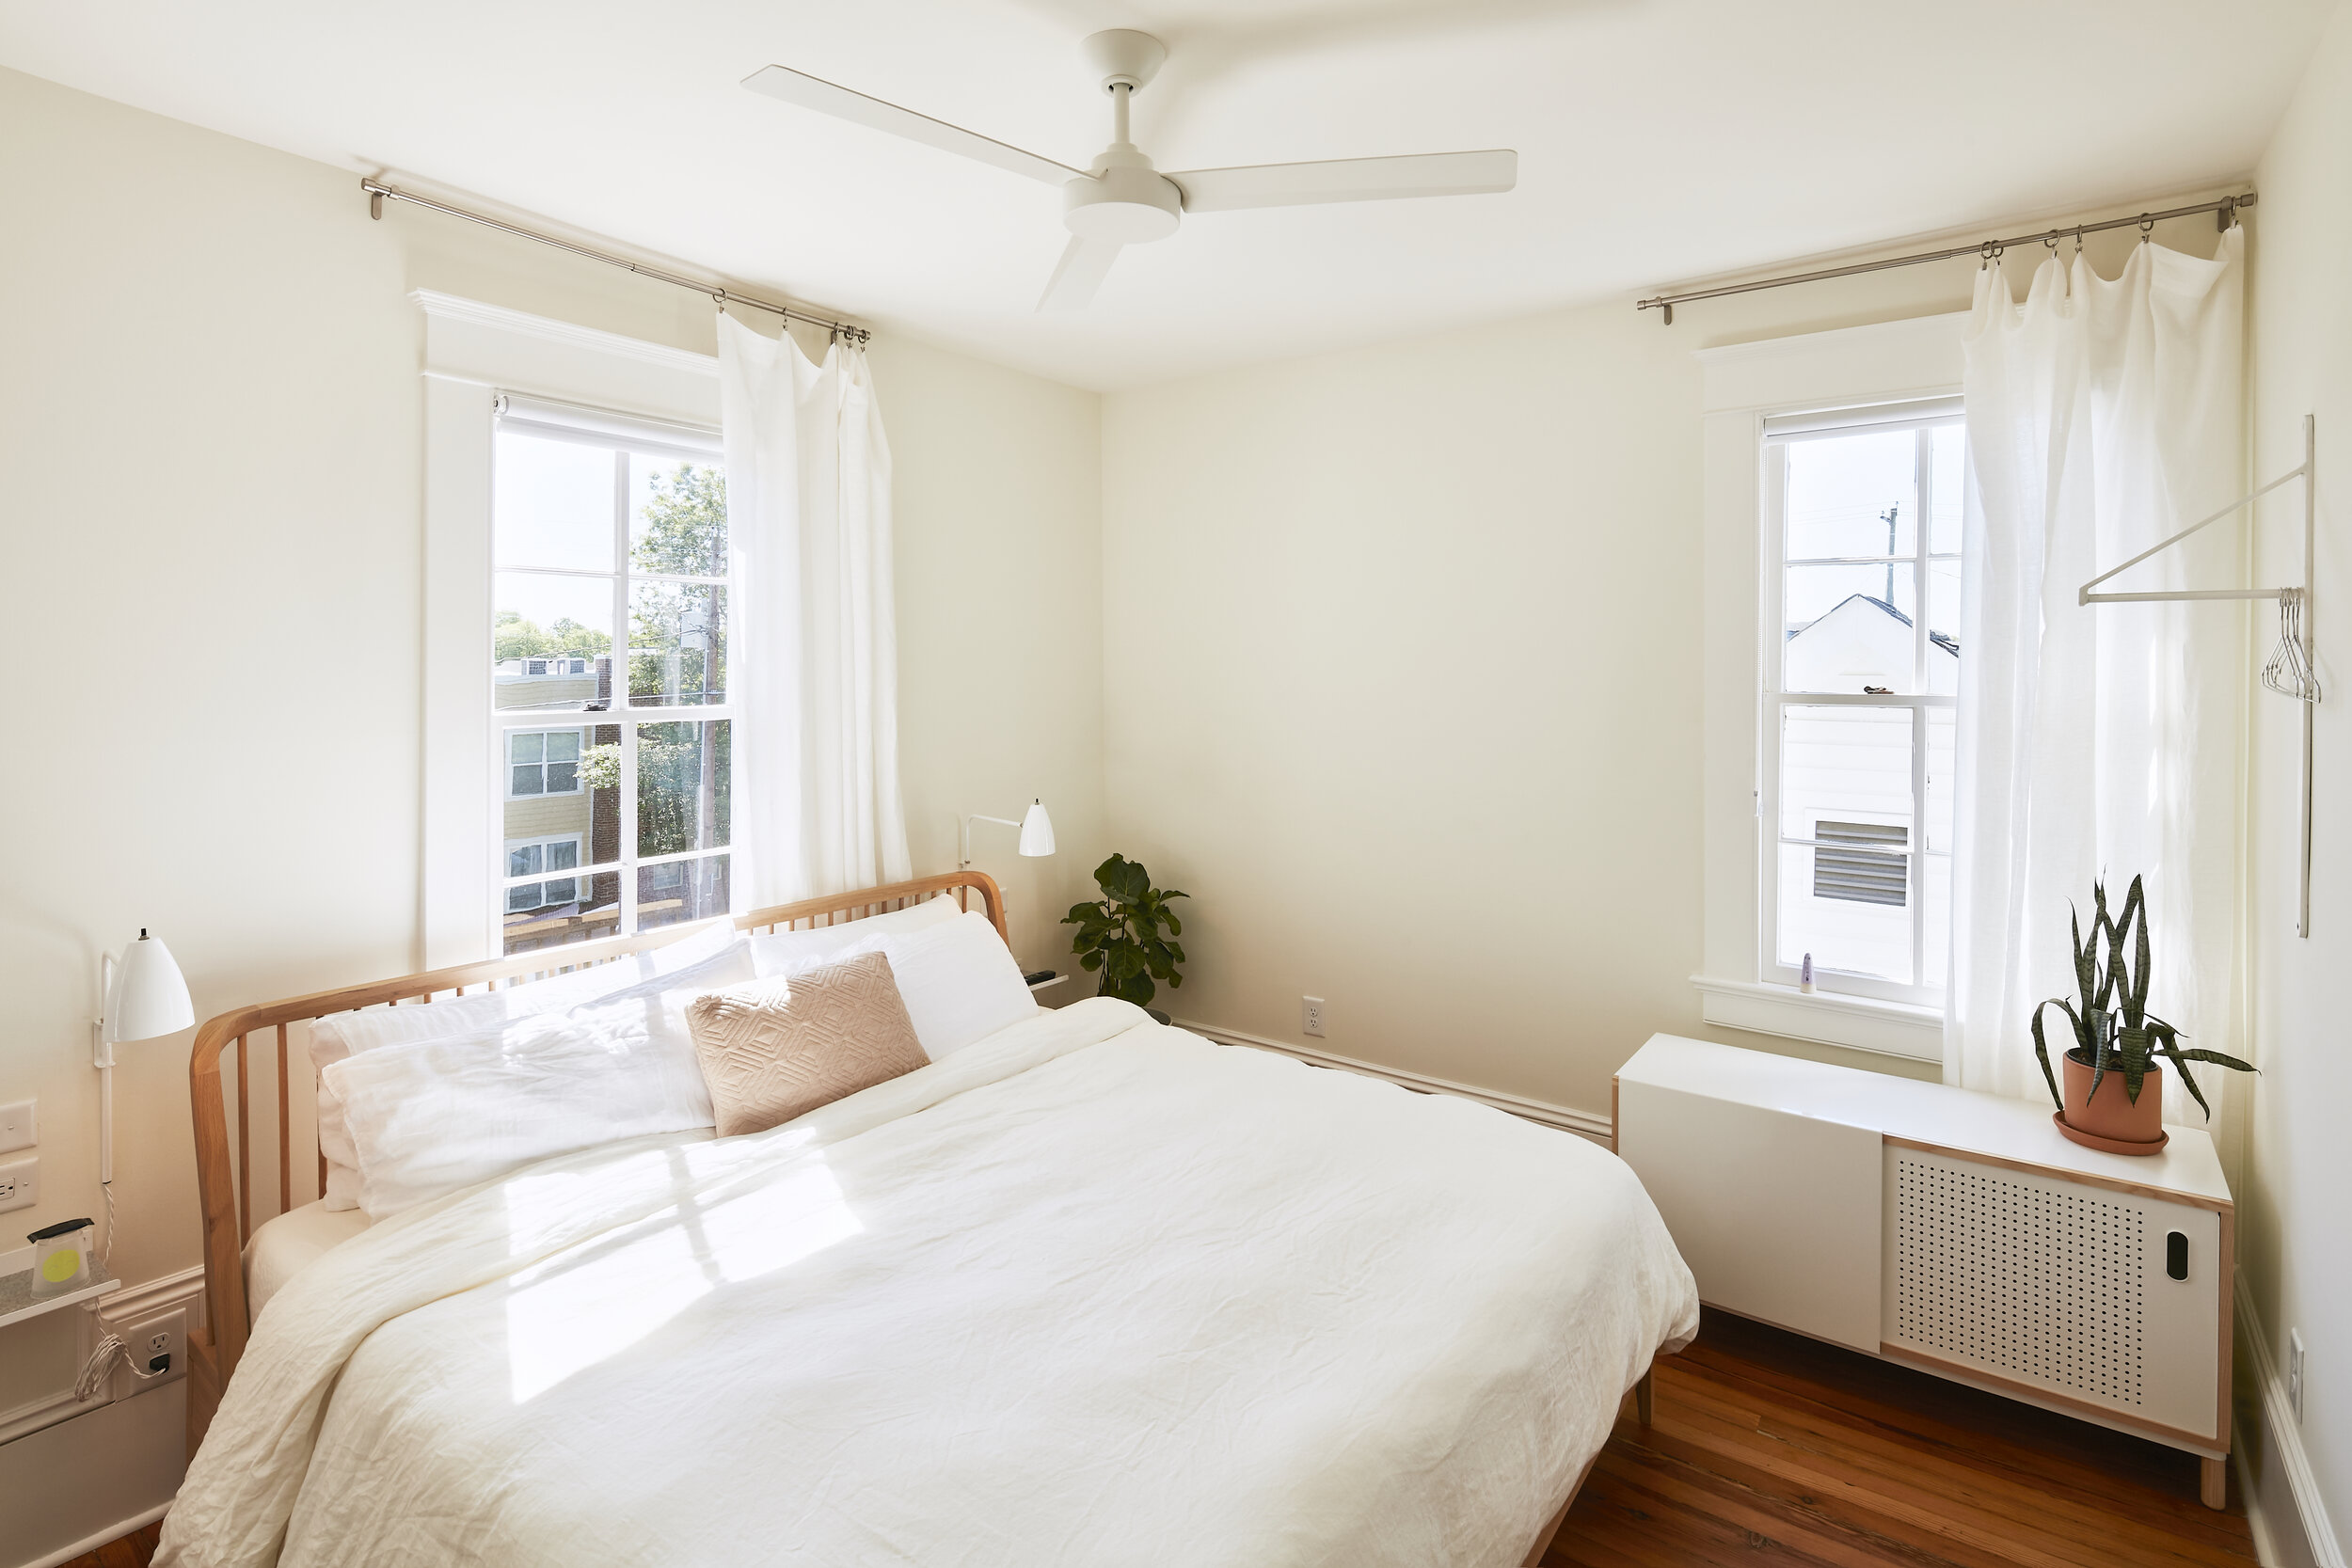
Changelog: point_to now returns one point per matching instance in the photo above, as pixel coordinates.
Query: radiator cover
(2056, 1285)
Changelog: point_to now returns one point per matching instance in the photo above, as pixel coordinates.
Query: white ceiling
(1659, 141)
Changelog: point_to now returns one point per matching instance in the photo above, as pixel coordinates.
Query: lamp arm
(963, 835)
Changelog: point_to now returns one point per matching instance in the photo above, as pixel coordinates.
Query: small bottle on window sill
(1804, 975)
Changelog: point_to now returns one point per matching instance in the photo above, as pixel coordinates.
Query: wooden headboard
(226, 1142)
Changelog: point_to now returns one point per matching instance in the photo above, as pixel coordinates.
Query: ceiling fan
(1121, 199)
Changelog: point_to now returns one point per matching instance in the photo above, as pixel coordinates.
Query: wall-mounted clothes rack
(2290, 671)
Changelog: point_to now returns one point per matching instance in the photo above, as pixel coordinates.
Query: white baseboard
(2281, 1445)
(115, 1532)
(1585, 1123)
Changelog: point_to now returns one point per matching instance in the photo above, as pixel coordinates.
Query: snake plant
(2109, 983)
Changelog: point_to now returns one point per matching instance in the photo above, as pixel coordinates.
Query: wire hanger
(2289, 673)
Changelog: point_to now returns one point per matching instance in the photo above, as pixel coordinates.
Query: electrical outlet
(20, 1184)
(20, 1125)
(1311, 1016)
(159, 1346)
(2294, 1372)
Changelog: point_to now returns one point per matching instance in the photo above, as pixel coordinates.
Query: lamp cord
(101, 1365)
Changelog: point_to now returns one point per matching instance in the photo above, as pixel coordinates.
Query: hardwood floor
(132, 1551)
(1769, 1449)
(1767, 1446)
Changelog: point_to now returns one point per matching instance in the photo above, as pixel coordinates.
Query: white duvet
(1091, 1291)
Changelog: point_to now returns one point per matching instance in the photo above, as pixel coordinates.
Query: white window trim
(1742, 384)
(472, 350)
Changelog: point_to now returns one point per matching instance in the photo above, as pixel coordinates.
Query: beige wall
(1402, 681)
(209, 424)
(2298, 1250)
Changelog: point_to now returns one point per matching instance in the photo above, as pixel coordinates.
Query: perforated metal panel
(2043, 1282)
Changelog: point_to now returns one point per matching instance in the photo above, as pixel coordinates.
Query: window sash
(1778, 432)
(622, 436)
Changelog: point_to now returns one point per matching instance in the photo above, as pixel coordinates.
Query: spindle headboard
(228, 1130)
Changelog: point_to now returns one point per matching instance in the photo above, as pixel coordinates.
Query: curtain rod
(2225, 211)
(378, 194)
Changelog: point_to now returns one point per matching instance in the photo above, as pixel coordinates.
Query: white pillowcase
(708, 960)
(430, 1116)
(957, 979)
(781, 952)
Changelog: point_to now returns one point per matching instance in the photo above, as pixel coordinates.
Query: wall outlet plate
(149, 1340)
(1311, 1016)
(20, 1184)
(20, 1125)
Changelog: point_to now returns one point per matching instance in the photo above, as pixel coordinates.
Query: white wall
(1403, 680)
(2297, 1251)
(209, 420)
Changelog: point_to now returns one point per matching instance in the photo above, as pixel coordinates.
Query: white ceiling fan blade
(1217, 190)
(811, 92)
(1078, 273)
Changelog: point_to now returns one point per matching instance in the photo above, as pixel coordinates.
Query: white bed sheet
(1091, 1291)
(287, 1243)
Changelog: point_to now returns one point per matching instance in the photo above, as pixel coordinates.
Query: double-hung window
(608, 690)
(1864, 511)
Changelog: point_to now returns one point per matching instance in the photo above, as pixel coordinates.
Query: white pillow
(782, 952)
(334, 1038)
(429, 1116)
(959, 981)
(707, 960)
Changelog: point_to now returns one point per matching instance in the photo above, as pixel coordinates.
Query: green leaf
(2200, 1054)
(2042, 1051)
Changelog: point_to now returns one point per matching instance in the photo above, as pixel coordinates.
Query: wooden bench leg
(1645, 1397)
(2213, 1482)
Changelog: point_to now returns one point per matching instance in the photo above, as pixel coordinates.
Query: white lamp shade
(149, 996)
(1037, 831)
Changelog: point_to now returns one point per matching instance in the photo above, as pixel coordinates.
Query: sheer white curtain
(816, 802)
(2103, 414)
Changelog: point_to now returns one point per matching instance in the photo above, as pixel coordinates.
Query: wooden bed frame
(225, 1144)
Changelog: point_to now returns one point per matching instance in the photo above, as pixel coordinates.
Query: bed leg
(2212, 1481)
(1645, 1397)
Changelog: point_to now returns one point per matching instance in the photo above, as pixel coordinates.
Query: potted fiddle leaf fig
(2114, 1097)
(1120, 934)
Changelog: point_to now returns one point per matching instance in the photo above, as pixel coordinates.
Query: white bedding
(1091, 1291)
(285, 1244)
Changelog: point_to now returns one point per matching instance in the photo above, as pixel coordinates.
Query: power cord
(101, 1365)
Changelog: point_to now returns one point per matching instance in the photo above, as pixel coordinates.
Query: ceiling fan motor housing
(1127, 202)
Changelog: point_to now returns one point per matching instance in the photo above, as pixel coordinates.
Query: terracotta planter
(2111, 1120)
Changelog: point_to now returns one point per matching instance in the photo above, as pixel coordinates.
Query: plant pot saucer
(2109, 1146)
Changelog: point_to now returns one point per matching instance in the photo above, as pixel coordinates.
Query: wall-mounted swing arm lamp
(1037, 832)
(145, 996)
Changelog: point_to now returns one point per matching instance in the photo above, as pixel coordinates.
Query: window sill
(1860, 1022)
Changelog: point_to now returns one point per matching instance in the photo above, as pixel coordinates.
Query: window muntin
(1864, 516)
(600, 521)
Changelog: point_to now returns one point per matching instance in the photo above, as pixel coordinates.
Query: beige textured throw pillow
(781, 1048)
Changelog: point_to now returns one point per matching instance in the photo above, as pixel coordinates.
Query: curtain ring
(2147, 226)
(2050, 240)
